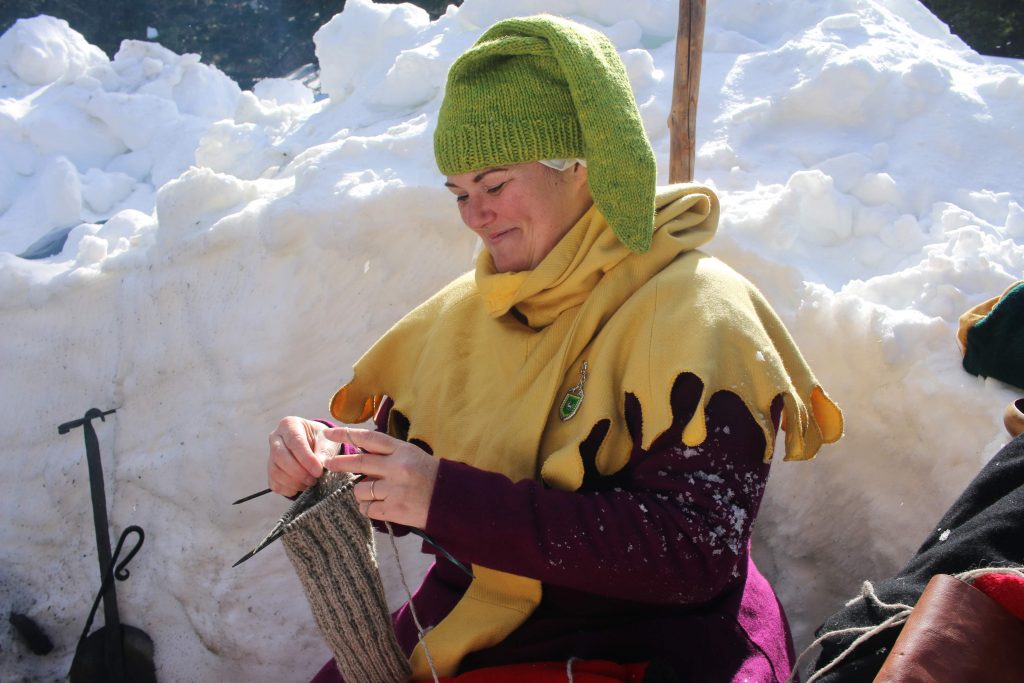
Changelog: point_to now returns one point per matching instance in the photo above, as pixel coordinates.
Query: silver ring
(373, 496)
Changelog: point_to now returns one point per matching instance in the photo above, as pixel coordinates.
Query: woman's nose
(477, 213)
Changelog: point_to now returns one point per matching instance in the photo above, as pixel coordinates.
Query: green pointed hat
(544, 87)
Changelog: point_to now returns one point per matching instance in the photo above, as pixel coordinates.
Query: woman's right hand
(294, 463)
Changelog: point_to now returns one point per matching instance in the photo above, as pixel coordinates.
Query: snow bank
(232, 253)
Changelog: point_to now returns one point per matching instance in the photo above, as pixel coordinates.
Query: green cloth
(995, 344)
(544, 87)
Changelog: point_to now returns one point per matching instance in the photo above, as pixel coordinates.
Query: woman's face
(521, 211)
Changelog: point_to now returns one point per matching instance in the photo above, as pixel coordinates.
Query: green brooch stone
(574, 397)
(570, 404)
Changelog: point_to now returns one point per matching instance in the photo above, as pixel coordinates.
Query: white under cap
(563, 164)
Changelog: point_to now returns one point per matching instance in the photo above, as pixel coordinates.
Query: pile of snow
(232, 253)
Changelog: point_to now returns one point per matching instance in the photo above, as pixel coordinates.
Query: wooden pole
(682, 121)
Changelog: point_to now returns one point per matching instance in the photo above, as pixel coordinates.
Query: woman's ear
(579, 174)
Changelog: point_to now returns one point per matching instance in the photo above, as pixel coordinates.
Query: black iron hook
(121, 573)
(90, 415)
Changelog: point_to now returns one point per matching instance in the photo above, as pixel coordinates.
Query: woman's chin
(508, 263)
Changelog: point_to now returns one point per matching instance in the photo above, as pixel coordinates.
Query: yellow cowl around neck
(479, 385)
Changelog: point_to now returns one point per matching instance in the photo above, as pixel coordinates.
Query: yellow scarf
(481, 387)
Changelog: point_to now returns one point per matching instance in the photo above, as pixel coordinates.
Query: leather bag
(956, 634)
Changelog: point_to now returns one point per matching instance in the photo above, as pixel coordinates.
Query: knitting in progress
(587, 417)
(331, 546)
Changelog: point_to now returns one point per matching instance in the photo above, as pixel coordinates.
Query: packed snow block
(995, 344)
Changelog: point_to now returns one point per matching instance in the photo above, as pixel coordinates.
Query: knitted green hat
(544, 87)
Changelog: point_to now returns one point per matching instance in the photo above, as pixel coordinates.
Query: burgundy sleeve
(672, 526)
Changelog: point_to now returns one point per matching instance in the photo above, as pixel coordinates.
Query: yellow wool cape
(479, 385)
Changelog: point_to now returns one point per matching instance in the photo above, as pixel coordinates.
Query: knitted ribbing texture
(331, 546)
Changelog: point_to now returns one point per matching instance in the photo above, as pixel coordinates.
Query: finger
(325, 448)
(286, 461)
(375, 466)
(373, 509)
(370, 490)
(297, 437)
(295, 472)
(368, 440)
(286, 484)
(280, 482)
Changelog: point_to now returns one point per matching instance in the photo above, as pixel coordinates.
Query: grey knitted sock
(330, 544)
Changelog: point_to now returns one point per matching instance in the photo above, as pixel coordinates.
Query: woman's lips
(496, 237)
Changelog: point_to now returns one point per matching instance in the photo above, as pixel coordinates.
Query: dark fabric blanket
(984, 527)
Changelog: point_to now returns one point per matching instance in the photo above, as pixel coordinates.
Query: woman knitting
(587, 419)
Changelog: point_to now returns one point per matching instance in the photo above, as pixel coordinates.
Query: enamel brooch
(573, 397)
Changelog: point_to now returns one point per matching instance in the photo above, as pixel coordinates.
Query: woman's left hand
(399, 476)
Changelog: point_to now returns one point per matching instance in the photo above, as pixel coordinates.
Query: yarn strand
(568, 669)
(867, 632)
(420, 632)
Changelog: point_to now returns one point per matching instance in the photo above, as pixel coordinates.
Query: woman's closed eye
(462, 196)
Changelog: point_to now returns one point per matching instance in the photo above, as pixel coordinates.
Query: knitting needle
(264, 492)
(251, 496)
(278, 530)
(448, 556)
(274, 534)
